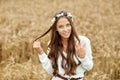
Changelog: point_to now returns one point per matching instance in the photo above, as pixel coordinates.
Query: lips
(66, 34)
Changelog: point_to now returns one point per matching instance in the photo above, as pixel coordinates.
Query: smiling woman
(68, 55)
(63, 27)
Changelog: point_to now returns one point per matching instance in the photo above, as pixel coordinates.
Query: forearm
(40, 51)
(86, 63)
(87, 59)
(46, 62)
(37, 47)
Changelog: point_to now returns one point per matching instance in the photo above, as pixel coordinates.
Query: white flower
(69, 14)
(59, 15)
(53, 20)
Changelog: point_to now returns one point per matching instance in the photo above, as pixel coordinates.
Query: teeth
(66, 33)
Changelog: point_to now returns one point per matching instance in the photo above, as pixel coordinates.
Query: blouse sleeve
(87, 62)
(46, 63)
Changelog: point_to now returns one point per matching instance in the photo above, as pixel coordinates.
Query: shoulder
(84, 39)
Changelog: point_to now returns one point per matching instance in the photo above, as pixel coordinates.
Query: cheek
(59, 31)
(70, 29)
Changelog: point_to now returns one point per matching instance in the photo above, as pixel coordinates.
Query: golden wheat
(22, 21)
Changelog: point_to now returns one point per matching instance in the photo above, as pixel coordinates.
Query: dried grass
(22, 21)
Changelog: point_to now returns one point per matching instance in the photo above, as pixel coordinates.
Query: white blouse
(86, 63)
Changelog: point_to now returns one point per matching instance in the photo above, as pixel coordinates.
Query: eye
(61, 26)
(68, 25)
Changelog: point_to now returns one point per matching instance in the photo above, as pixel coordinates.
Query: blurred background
(21, 21)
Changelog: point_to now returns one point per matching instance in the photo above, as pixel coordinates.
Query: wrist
(82, 55)
(41, 51)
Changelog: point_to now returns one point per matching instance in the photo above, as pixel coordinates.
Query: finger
(84, 45)
(75, 47)
(79, 45)
(36, 44)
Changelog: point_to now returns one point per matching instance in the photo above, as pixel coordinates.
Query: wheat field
(21, 21)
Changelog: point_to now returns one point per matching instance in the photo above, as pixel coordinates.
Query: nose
(65, 28)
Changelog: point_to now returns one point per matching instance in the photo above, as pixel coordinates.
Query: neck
(64, 41)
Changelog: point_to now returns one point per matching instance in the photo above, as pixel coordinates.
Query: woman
(68, 55)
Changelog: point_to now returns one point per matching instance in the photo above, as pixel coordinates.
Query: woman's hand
(37, 47)
(80, 50)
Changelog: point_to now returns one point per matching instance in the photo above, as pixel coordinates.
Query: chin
(67, 36)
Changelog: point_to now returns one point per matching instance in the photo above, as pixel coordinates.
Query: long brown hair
(56, 48)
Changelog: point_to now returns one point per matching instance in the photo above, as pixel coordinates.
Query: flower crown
(60, 15)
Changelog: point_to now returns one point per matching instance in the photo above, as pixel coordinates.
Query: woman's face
(63, 27)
